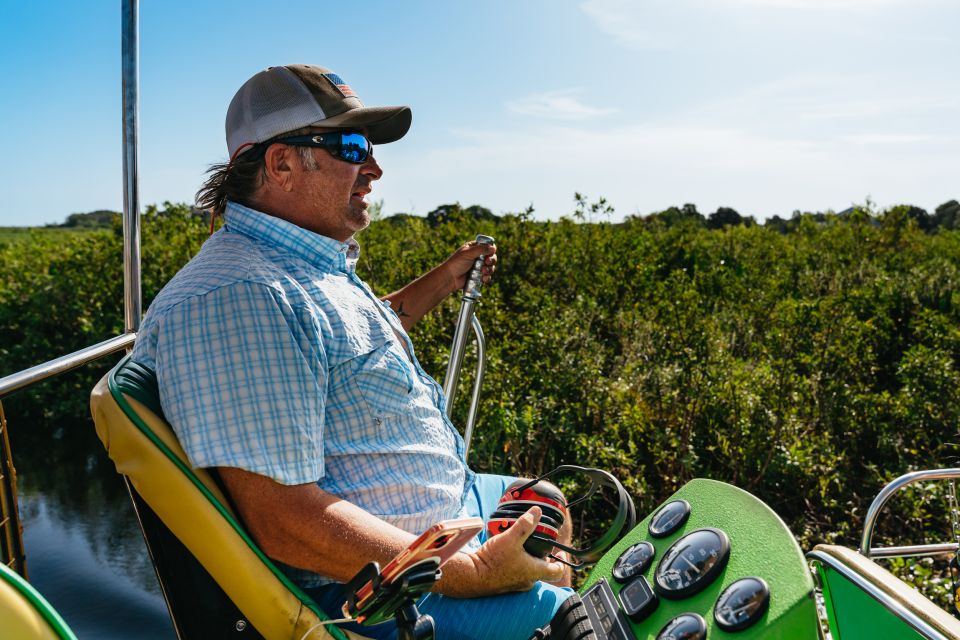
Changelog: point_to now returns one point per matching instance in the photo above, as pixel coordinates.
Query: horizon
(762, 106)
(746, 219)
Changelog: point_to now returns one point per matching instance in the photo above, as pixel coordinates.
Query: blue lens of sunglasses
(354, 147)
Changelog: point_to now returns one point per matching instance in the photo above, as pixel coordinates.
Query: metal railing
(41, 372)
(909, 551)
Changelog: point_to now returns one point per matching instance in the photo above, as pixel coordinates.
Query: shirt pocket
(384, 381)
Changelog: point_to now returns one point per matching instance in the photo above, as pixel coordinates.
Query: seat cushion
(144, 448)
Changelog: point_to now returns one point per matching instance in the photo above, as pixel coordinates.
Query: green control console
(711, 562)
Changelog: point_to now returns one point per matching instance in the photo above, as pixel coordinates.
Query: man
(279, 367)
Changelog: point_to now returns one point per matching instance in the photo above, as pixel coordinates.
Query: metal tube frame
(132, 303)
(457, 348)
(11, 550)
(27, 377)
(885, 494)
(471, 296)
(477, 383)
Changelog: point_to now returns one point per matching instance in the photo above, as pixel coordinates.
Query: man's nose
(371, 168)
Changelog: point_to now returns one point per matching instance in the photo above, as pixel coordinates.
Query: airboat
(711, 561)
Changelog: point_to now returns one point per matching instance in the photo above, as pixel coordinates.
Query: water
(84, 549)
(98, 579)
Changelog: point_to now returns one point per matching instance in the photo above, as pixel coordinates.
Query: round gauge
(633, 561)
(686, 626)
(669, 518)
(742, 604)
(692, 563)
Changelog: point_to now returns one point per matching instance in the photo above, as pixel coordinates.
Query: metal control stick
(467, 320)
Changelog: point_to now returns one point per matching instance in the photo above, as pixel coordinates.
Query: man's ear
(279, 166)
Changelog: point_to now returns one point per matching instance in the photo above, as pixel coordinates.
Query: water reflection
(84, 550)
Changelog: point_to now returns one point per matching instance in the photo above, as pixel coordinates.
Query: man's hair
(239, 180)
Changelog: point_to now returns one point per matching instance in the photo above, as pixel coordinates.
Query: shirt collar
(316, 249)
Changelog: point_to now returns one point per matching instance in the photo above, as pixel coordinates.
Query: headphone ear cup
(539, 543)
(498, 523)
(512, 515)
(521, 507)
(545, 491)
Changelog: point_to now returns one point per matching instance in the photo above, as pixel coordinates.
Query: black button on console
(638, 599)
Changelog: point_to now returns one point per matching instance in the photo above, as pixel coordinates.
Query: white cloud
(820, 5)
(559, 105)
(753, 151)
(681, 24)
(880, 105)
(630, 23)
(896, 138)
(647, 168)
(821, 105)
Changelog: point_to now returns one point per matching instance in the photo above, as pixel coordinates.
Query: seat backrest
(25, 614)
(864, 600)
(183, 507)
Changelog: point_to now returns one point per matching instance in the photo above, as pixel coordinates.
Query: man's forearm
(305, 527)
(420, 296)
(308, 528)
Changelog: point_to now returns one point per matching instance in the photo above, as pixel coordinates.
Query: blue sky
(765, 106)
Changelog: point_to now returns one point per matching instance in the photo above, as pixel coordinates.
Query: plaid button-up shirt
(274, 357)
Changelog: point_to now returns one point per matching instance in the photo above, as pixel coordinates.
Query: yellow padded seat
(25, 614)
(191, 505)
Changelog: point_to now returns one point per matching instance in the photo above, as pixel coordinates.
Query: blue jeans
(510, 616)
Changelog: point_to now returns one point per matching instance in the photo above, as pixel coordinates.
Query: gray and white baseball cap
(294, 96)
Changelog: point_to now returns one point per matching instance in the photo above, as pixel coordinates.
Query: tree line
(808, 364)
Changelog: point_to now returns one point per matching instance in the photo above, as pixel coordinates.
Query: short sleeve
(243, 382)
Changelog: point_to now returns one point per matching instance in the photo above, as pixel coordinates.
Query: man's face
(334, 194)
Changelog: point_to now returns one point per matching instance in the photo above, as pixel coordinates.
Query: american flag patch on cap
(341, 85)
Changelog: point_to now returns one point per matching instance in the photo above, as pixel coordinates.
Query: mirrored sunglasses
(348, 146)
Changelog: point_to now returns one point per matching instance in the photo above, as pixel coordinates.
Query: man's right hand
(500, 565)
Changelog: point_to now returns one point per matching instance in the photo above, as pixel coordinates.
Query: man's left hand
(459, 264)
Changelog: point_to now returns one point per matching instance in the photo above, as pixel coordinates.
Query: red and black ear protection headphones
(521, 495)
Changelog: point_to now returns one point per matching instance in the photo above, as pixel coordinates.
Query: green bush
(807, 367)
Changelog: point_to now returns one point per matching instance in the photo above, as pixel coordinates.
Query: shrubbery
(807, 367)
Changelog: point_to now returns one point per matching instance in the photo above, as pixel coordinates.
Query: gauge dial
(742, 604)
(686, 626)
(634, 561)
(669, 518)
(692, 563)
